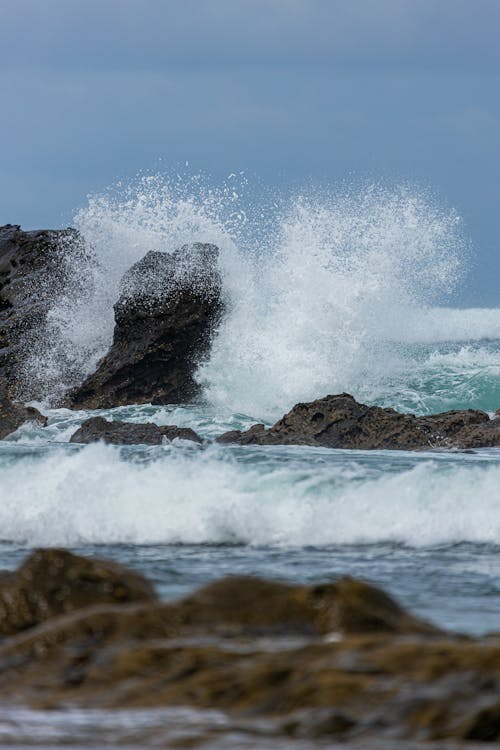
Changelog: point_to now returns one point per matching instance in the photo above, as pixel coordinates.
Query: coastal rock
(13, 415)
(34, 269)
(319, 661)
(53, 582)
(129, 433)
(164, 319)
(341, 422)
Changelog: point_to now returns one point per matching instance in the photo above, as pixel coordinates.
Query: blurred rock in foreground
(339, 660)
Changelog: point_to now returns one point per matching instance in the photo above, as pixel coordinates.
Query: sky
(93, 91)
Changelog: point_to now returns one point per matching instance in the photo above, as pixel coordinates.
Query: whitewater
(324, 291)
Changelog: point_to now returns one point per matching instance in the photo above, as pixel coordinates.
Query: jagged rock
(129, 433)
(13, 415)
(341, 422)
(167, 311)
(53, 582)
(34, 270)
(317, 661)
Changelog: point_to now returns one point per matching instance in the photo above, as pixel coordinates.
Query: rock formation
(13, 415)
(168, 308)
(34, 270)
(129, 433)
(340, 661)
(341, 422)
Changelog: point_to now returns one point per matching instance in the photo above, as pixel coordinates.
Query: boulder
(341, 422)
(53, 582)
(129, 433)
(34, 270)
(168, 308)
(13, 415)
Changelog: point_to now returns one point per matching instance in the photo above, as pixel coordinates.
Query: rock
(483, 725)
(337, 660)
(347, 606)
(53, 582)
(14, 415)
(164, 319)
(341, 422)
(34, 270)
(129, 433)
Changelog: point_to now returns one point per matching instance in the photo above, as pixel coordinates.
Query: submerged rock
(341, 422)
(129, 433)
(331, 660)
(33, 272)
(167, 311)
(53, 582)
(13, 415)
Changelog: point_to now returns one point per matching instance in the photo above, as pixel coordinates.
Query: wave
(332, 291)
(103, 495)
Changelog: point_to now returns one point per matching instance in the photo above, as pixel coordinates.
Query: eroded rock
(129, 433)
(341, 422)
(168, 309)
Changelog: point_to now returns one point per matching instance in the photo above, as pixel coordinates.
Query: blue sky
(400, 90)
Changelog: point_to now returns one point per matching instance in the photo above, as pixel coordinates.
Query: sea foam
(279, 497)
(330, 291)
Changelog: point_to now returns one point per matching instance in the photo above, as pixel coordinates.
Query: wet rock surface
(168, 309)
(341, 660)
(53, 581)
(13, 415)
(129, 433)
(33, 272)
(341, 422)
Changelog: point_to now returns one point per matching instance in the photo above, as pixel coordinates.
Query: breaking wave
(100, 494)
(325, 292)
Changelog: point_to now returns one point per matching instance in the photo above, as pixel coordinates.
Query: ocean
(346, 291)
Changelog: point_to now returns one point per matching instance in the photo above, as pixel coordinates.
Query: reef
(340, 660)
(339, 421)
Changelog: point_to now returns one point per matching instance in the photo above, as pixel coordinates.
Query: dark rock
(484, 725)
(53, 582)
(13, 415)
(128, 433)
(167, 311)
(34, 270)
(341, 422)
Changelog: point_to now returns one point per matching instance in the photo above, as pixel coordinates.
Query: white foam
(327, 293)
(97, 495)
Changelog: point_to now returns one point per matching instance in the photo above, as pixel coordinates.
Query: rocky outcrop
(13, 415)
(340, 660)
(34, 270)
(53, 582)
(341, 422)
(128, 433)
(168, 308)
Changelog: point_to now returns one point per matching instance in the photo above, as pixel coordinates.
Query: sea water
(332, 291)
